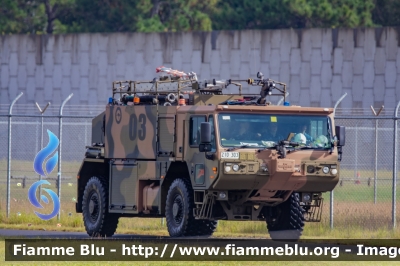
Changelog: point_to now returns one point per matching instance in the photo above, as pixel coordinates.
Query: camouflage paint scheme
(131, 132)
(284, 174)
(97, 124)
(142, 156)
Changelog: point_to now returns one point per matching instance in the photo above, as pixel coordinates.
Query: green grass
(364, 194)
(365, 174)
(355, 213)
(355, 226)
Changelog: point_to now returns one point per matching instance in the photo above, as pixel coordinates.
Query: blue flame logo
(36, 203)
(46, 151)
(38, 167)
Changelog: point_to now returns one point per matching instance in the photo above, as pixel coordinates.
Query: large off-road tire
(178, 208)
(179, 212)
(98, 222)
(205, 227)
(288, 221)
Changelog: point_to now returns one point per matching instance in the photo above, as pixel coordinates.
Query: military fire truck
(187, 150)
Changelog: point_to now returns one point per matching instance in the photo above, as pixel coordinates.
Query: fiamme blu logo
(49, 166)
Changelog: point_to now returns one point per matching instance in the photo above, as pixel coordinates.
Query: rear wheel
(286, 220)
(97, 220)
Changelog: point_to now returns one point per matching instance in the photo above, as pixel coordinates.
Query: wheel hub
(175, 209)
(91, 206)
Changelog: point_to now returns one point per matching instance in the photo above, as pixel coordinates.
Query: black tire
(288, 222)
(205, 227)
(179, 209)
(98, 222)
(179, 212)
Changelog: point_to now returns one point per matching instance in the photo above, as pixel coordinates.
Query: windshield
(263, 130)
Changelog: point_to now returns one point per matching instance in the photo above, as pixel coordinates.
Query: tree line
(74, 16)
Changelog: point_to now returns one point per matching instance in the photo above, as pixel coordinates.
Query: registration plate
(229, 155)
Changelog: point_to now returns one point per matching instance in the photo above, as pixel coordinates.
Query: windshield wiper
(311, 148)
(281, 143)
(307, 148)
(281, 147)
(268, 148)
(239, 147)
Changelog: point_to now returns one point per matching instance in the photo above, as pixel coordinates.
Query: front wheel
(205, 227)
(287, 220)
(179, 208)
(97, 220)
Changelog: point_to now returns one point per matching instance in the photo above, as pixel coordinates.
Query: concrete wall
(319, 65)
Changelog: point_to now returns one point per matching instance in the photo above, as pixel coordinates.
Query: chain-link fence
(363, 198)
(364, 195)
(26, 142)
(24, 134)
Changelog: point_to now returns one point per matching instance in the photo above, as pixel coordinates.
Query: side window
(213, 145)
(194, 134)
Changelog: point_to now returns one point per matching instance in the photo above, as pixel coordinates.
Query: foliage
(141, 15)
(68, 16)
(387, 12)
(271, 14)
(19, 16)
(336, 13)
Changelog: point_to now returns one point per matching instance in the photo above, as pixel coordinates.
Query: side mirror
(205, 137)
(205, 133)
(341, 135)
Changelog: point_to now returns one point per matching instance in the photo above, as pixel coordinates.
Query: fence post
(356, 153)
(394, 167)
(337, 103)
(376, 161)
(59, 150)
(9, 152)
(41, 140)
(376, 152)
(331, 193)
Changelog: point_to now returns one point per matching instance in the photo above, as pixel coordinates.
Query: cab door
(201, 169)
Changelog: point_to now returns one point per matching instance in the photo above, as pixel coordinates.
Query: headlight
(264, 167)
(222, 195)
(334, 171)
(306, 197)
(325, 169)
(235, 167)
(227, 168)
